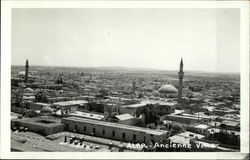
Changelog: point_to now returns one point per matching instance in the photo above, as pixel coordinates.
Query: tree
(176, 129)
(103, 92)
(41, 97)
(140, 95)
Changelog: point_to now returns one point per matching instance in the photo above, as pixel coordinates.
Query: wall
(141, 137)
(44, 130)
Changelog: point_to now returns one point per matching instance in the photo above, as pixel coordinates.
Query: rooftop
(201, 126)
(217, 130)
(87, 115)
(230, 123)
(179, 139)
(117, 125)
(41, 121)
(124, 117)
(42, 104)
(135, 105)
(176, 111)
(191, 135)
(159, 102)
(69, 103)
(183, 116)
(145, 102)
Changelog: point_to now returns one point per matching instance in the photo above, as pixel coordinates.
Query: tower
(133, 89)
(26, 71)
(181, 75)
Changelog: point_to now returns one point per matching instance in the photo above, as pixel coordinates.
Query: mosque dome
(22, 73)
(46, 110)
(168, 89)
(28, 90)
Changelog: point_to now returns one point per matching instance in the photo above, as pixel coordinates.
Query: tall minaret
(26, 71)
(133, 88)
(181, 74)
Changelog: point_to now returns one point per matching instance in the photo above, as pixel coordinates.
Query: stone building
(114, 131)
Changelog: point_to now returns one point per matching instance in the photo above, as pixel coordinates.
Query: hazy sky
(207, 39)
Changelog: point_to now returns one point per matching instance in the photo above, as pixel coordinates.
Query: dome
(196, 94)
(168, 89)
(46, 110)
(28, 90)
(22, 73)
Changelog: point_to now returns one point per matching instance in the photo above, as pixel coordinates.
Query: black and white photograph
(126, 79)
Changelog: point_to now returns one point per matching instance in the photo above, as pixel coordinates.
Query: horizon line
(133, 68)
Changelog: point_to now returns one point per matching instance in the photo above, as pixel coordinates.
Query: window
(113, 133)
(75, 127)
(93, 130)
(66, 126)
(123, 135)
(134, 137)
(84, 128)
(103, 132)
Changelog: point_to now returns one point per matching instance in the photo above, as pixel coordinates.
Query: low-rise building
(113, 131)
(70, 106)
(201, 128)
(41, 125)
(125, 119)
(87, 115)
(38, 105)
(189, 141)
(230, 125)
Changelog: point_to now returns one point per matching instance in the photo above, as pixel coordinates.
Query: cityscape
(118, 109)
(126, 80)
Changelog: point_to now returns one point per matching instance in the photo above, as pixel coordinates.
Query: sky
(206, 39)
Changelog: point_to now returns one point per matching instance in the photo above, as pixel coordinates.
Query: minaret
(181, 74)
(26, 71)
(133, 89)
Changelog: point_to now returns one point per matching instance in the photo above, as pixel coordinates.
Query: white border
(6, 7)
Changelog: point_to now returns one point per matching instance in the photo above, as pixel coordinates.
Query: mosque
(25, 74)
(170, 90)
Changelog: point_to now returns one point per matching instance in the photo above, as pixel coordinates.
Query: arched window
(123, 135)
(113, 133)
(93, 130)
(134, 137)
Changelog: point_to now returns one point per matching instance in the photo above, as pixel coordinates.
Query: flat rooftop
(183, 138)
(125, 116)
(117, 125)
(87, 115)
(146, 102)
(201, 126)
(42, 104)
(182, 116)
(135, 105)
(179, 139)
(230, 123)
(191, 135)
(160, 102)
(41, 121)
(69, 103)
